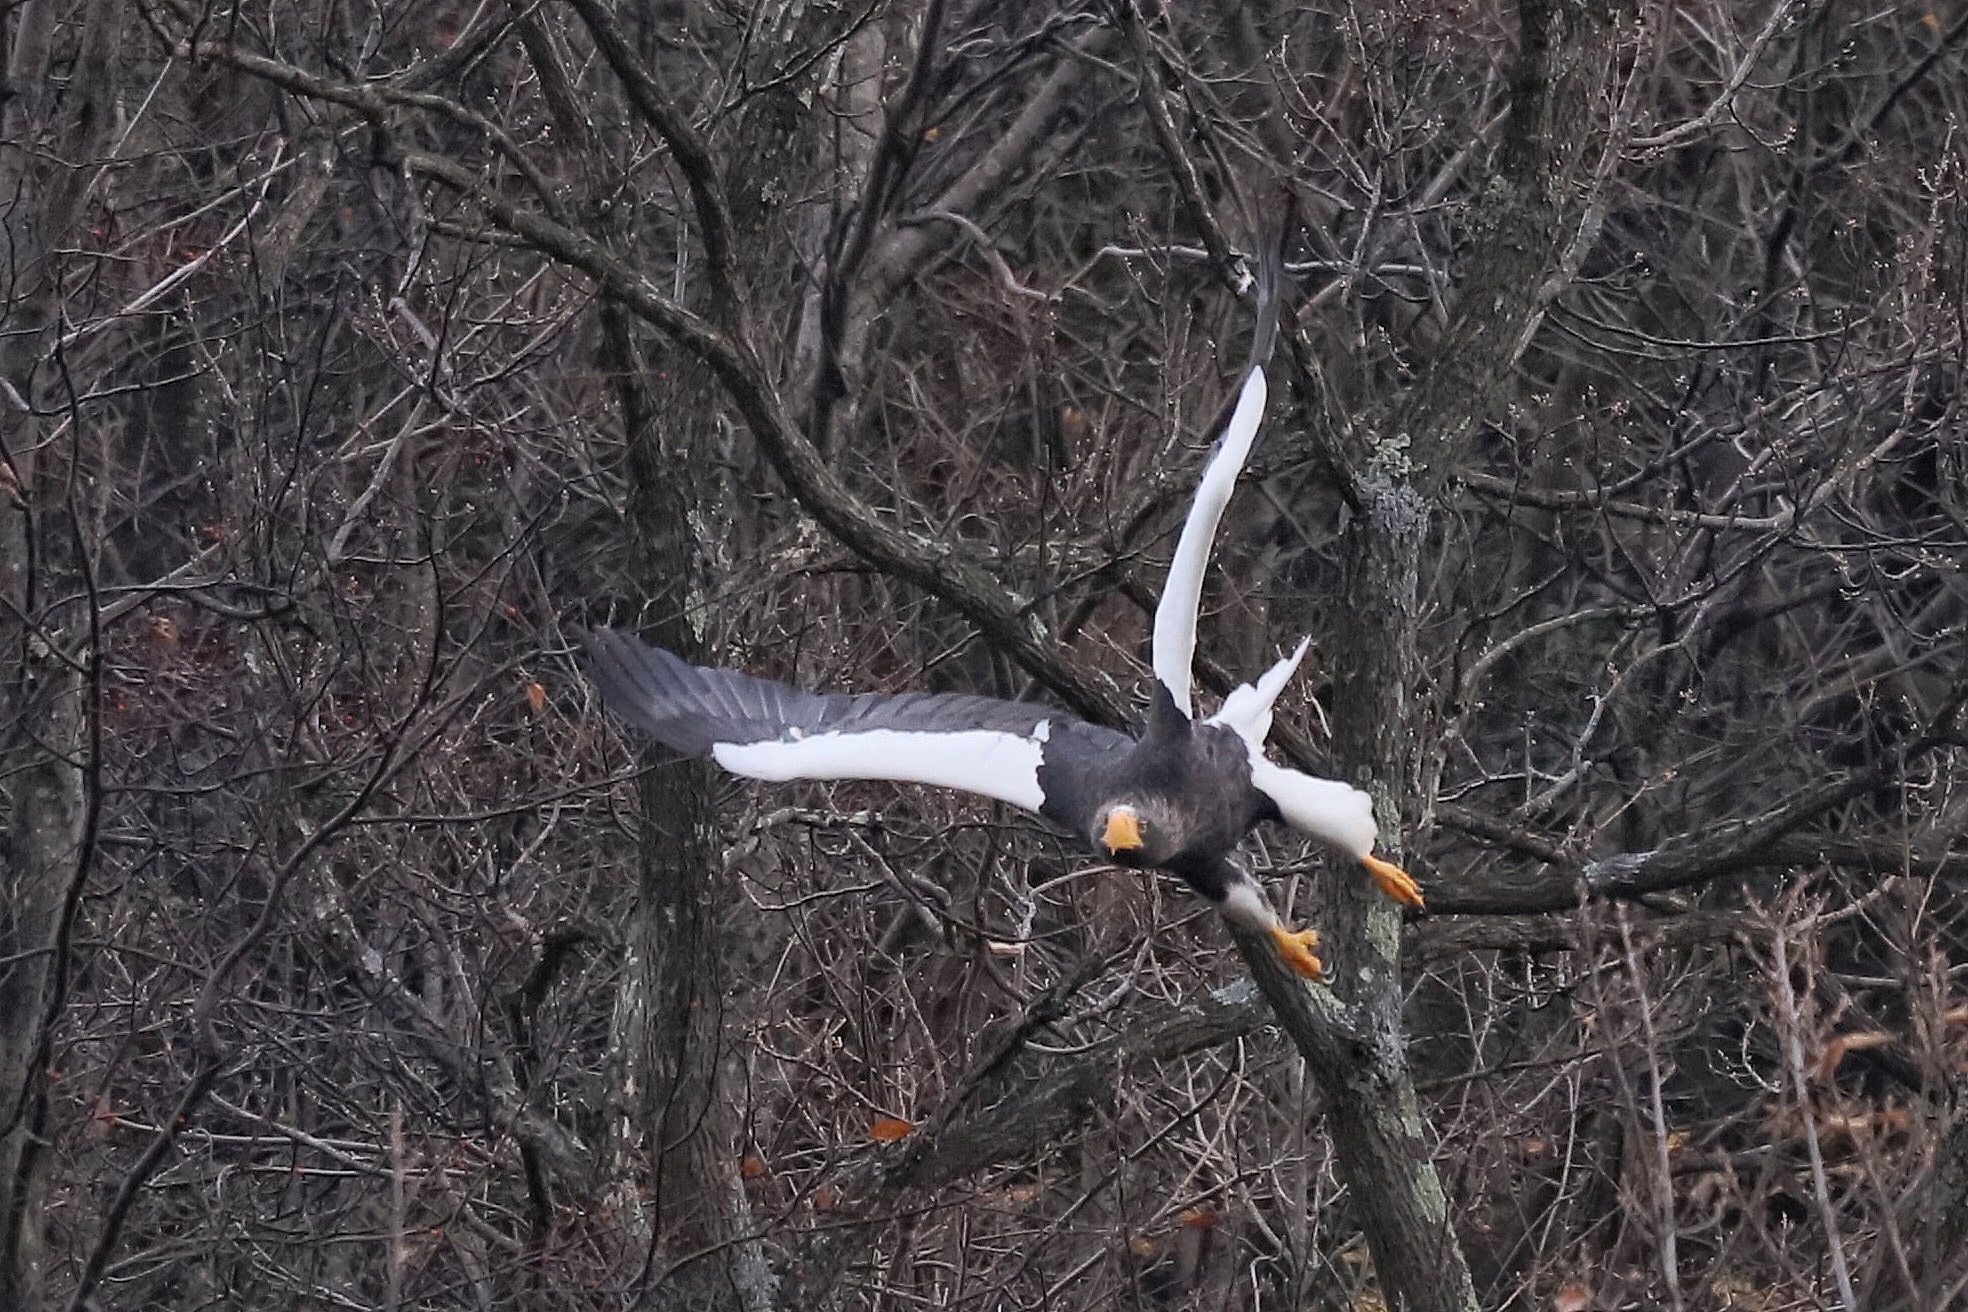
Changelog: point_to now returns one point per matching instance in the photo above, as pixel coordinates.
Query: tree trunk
(1374, 1117)
(43, 754)
(1524, 231)
(41, 867)
(670, 1024)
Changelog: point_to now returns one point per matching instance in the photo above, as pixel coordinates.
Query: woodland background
(352, 351)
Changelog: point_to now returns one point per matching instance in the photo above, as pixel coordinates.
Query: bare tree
(348, 959)
(48, 755)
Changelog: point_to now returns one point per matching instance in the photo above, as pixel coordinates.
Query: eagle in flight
(1179, 798)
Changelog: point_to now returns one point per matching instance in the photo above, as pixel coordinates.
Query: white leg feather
(1247, 905)
(1327, 809)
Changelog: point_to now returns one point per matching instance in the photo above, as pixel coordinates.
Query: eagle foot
(1393, 881)
(1296, 949)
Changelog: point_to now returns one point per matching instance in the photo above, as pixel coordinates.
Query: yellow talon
(1296, 949)
(1393, 881)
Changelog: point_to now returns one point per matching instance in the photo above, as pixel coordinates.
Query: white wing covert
(763, 729)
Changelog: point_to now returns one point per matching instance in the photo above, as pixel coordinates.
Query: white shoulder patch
(1327, 809)
(988, 762)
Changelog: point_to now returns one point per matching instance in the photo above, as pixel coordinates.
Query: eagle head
(1137, 833)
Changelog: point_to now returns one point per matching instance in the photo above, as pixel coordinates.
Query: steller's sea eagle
(1180, 798)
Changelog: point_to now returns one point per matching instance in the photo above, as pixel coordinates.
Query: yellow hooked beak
(1123, 832)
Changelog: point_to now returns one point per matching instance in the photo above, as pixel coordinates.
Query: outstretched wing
(1174, 650)
(1175, 615)
(766, 730)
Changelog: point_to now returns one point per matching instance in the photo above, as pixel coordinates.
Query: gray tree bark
(1524, 230)
(45, 142)
(671, 1026)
